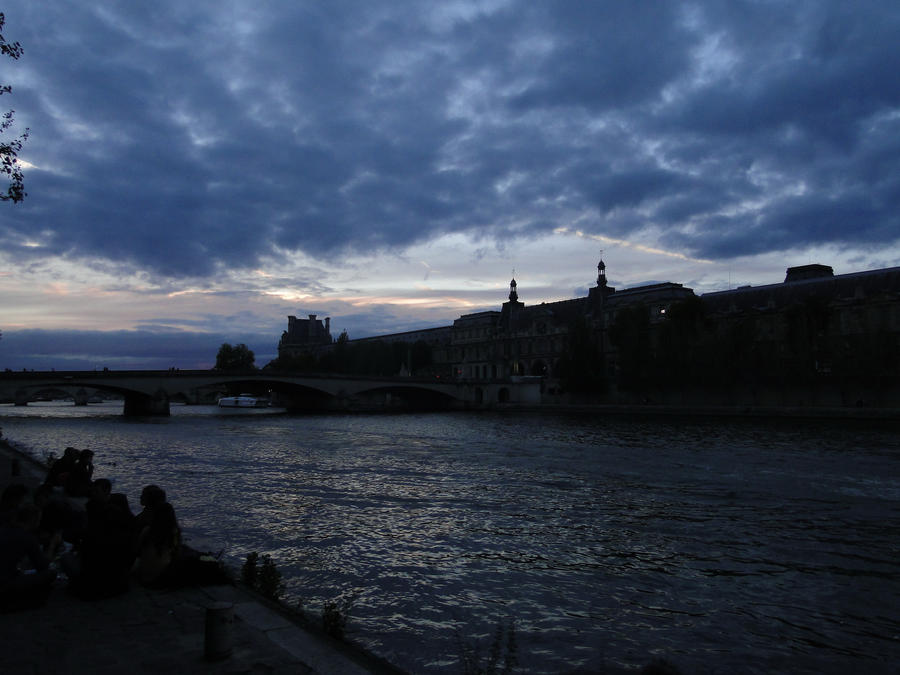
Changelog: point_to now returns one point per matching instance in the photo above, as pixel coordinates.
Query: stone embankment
(625, 409)
(162, 631)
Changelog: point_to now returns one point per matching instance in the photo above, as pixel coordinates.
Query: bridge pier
(142, 405)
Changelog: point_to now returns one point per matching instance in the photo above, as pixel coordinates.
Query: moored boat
(243, 401)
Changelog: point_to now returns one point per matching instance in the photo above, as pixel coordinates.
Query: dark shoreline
(35, 469)
(30, 471)
(637, 409)
(655, 410)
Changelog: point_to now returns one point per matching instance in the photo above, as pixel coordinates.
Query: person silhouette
(18, 544)
(105, 554)
(79, 480)
(58, 473)
(159, 546)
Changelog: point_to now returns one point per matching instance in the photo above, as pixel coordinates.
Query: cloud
(190, 144)
(187, 139)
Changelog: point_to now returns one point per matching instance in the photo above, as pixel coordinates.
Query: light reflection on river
(724, 546)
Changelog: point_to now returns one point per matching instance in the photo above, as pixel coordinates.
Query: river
(724, 546)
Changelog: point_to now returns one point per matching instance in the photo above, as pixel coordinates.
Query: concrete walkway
(154, 631)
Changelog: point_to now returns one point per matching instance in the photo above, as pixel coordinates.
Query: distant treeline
(366, 357)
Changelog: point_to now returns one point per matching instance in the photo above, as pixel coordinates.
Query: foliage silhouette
(361, 358)
(9, 152)
(260, 574)
(235, 358)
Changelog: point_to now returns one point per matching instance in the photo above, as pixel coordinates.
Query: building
(435, 341)
(304, 336)
(522, 340)
(816, 338)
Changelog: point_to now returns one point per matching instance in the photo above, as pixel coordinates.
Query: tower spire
(601, 272)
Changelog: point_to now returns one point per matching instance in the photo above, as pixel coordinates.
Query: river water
(723, 546)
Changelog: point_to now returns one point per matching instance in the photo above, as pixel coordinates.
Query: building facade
(522, 340)
(814, 338)
(304, 336)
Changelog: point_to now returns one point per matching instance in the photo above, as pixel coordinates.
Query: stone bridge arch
(150, 392)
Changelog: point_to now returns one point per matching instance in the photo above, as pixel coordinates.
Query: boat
(243, 401)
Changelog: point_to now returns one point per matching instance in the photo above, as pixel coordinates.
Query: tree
(235, 358)
(9, 152)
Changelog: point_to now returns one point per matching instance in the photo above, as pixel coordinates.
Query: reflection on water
(740, 547)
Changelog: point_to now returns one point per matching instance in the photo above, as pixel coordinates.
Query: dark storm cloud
(180, 138)
(606, 56)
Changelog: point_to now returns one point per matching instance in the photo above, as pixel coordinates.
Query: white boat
(243, 401)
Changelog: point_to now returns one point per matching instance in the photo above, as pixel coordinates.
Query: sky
(199, 171)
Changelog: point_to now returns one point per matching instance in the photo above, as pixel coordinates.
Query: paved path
(153, 631)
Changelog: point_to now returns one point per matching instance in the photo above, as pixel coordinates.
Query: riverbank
(152, 631)
(651, 409)
(607, 540)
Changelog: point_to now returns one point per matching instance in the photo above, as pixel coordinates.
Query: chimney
(328, 324)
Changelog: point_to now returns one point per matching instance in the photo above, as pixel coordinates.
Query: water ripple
(741, 547)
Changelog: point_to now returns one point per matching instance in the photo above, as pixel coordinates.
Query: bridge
(150, 392)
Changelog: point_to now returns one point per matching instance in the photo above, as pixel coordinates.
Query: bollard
(219, 621)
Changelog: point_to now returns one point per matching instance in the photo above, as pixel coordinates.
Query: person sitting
(105, 556)
(151, 497)
(56, 516)
(78, 482)
(13, 497)
(159, 546)
(59, 470)
(18, 545)
(120, 501)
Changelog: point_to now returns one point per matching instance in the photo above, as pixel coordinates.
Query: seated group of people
(114, 542)
(73, 472)
(99, 547)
